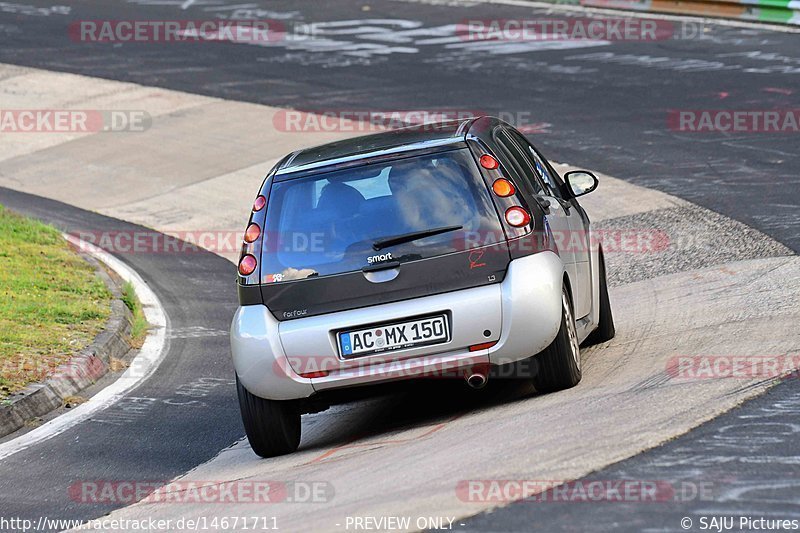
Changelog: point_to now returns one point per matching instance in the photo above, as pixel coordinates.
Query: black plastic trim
(249, 294)
(352, 290)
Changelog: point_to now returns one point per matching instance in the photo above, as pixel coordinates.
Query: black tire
(272, 426)
(558, 366)
(605, 327)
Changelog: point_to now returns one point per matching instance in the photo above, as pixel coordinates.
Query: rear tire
(559, 365)
(605, 325)
(272, 426)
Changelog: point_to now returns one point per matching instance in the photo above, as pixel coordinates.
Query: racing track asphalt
(741, 464)
(147, 436)
(603, 106)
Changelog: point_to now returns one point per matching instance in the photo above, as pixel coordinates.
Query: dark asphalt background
(602, 107)
(608, 114)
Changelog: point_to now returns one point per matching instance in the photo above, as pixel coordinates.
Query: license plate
(398, 336)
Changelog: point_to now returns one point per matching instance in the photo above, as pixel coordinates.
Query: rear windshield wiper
(385, 242)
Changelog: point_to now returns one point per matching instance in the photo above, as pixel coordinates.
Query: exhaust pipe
(476, 380)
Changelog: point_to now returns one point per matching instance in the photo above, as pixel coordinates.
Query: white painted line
(142, 366)
(187, 4)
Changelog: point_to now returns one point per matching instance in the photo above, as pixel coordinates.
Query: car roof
(417, 137)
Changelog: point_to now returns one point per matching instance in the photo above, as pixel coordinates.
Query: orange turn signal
(502, 187)
(252, 234)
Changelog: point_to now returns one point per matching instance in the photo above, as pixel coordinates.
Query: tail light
(517, 217)
(252, 233)
(489, 162)
(247, 265)
(503, 188)
(259, 204)
(251, 245)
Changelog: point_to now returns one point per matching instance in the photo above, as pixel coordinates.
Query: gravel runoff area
(686, 238)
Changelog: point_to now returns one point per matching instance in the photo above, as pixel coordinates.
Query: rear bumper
(526, 306)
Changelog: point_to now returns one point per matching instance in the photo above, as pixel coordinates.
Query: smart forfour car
(452, 249)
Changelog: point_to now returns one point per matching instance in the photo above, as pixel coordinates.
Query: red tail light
(517, 217)
(252, 234)
(247, 265)
(489, 162)
(259, 204)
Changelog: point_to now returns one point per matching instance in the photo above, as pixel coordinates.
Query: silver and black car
(451, 249)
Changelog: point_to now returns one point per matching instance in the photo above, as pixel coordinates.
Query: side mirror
(580, 182)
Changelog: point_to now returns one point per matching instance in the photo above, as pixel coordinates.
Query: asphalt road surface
(605, 105)
(602, 105)
(741, 464)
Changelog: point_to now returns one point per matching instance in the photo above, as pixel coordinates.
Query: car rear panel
(474, 315)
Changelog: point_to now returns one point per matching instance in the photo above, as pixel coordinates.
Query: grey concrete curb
(80, 372)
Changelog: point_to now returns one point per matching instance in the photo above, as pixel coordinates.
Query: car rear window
(327, 223)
